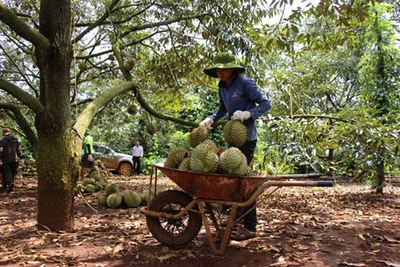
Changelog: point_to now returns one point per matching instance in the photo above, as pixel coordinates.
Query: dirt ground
(344, 225)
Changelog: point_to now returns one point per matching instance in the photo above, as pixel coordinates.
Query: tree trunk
(57, 168)
(380, 172)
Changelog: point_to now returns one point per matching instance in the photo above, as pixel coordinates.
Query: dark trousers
(8, 173)
(136, 165)
(250, 220)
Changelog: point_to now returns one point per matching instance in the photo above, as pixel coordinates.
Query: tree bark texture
(57, 168)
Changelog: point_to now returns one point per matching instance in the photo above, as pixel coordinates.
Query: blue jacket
(244, 95)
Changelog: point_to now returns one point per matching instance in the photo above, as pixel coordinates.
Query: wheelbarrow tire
(174, 232)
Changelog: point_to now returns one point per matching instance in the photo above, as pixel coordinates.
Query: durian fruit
(204, 157)
(90, 188)
(111, 189)
(88, 181)
(234, 133)
(132, 109)
(216, 207)
(185, 165)
(151, 128)
(80, 188)
(98, 186)
(130, 198)
(103, 182)
(114, 200)
(147, 196)
(102, 198)
(211, 145)
(129, 64)
(175, 157)
(197, 135)
(233, 161)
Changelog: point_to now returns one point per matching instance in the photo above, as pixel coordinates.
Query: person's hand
(21, 162)
(1, 162)
(206, 122)
(241, 115)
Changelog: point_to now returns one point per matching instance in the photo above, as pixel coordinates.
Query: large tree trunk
(57, 168)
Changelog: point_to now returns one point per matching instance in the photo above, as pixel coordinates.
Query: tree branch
(22, 29)
(22, 123)
(84, 119)
(98, 22)
(22, 96)
(161, 23)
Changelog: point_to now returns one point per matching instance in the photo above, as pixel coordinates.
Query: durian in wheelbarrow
(233, 161)
(204, 157)
(197, 136)
(185, 165)
(175, 157)
(234, 133)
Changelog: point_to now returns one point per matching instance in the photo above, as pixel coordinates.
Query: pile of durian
(110, 195)
(28, 169)
(114, 198)
(205, 156)
(93, 181)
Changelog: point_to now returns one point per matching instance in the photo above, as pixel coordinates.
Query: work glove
(21, 162)
(241, 115)
(206, 122)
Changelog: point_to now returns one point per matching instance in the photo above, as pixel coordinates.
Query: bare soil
(347, 225)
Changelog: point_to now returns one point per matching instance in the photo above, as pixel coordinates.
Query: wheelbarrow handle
(295, 176)
(314, 175)
(325, 183)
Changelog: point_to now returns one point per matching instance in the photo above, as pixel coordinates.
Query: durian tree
(64, 62)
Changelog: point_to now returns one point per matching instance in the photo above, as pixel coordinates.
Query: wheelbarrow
(175, 217)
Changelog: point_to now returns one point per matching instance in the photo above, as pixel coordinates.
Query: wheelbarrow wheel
(174, 232)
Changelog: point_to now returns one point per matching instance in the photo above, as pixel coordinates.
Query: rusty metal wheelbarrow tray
(213, 185)
(227, 187)
(230, 190)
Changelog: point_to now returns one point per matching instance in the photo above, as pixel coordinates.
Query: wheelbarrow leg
(226, 233)
(214, 220)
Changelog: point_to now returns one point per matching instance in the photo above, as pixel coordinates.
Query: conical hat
(223, 61)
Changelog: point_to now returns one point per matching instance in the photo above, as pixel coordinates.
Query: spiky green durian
(111, 188)
(211, 145)
(102, 198)
(114, 200)
(204, 157)
(175, 157)
(185, 165)
(233, 161)
(131, 198)
(89, 181)
(197, 135)
(147, 196)
(234, 133)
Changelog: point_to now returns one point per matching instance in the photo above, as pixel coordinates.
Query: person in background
(10, 158)
(88, 160)
(242, 100)
(137, 154)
